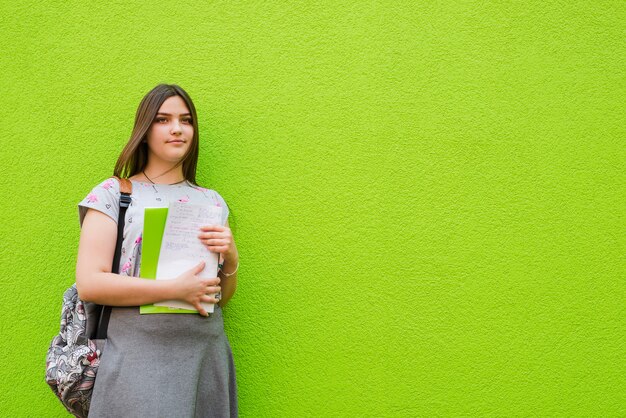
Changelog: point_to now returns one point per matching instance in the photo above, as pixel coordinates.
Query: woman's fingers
(213, 281)
(197, 268)
(195, 290)
(216, 241)
(209, 299)
(224, 233)
(213, 228)
(217, 238)
(213, 289)
(217, 245)
(217, 248)
(206, 235)
(200, 309)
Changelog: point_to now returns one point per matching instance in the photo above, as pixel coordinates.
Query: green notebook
(153, 228)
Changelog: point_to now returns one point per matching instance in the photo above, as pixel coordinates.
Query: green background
(428, 197)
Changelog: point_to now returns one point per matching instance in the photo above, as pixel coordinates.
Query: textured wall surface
(428, 197)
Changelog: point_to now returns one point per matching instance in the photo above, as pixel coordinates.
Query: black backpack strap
(126, 189)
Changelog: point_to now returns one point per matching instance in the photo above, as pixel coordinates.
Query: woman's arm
(228, 284)
(96, 283)
(219, 239)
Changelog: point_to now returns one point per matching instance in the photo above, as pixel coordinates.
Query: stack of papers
(170, 246)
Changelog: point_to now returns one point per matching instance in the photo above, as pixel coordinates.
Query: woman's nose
(176, 128)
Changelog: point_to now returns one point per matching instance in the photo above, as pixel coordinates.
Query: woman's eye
(162, 119)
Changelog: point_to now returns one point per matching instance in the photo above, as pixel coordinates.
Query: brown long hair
(134, 156)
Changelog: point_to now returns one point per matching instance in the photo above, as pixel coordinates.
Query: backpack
(74, 354)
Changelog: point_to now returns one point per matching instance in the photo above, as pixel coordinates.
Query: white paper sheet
(181, 249)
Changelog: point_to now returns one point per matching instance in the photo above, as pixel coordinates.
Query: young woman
(158, 365)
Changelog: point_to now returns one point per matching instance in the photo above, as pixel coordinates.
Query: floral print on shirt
(105, 198)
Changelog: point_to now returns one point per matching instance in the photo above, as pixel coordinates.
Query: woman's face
(171, 132)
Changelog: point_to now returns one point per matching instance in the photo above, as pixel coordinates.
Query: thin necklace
(167, 184)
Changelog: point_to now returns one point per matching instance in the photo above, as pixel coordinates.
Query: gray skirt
(165, 365)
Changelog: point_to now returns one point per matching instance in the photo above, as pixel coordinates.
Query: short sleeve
(222, 203)
(105, 198)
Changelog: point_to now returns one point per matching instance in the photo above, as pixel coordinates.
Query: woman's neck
(162, 174)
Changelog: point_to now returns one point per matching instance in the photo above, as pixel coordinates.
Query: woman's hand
(219, 239)
(190, 288)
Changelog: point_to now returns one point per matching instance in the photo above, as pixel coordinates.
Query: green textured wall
(428, 197)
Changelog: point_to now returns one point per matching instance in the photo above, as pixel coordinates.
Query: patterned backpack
(73, 359)
(74, 354)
